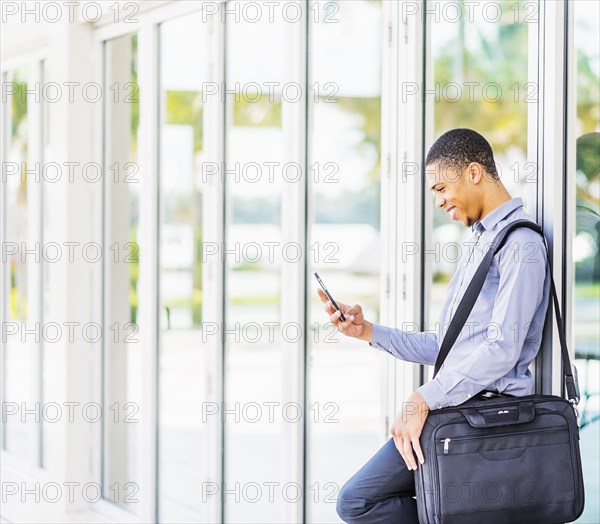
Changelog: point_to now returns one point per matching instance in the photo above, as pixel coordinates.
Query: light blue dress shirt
(504, 330)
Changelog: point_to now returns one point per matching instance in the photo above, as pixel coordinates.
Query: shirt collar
(491, 219)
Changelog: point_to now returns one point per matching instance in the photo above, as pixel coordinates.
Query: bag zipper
(447, 440)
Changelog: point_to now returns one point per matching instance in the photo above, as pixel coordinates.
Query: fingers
(356, 311)
(417, 447)
(342, 326)
(400, 447)
(408, 454)
(405, 450)
(405, 447)
(328, 305)
(352, 314)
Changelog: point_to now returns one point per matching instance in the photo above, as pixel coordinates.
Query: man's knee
(349, 507)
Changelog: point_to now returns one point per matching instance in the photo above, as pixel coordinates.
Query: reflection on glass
(122, 351)
(586, 245)
(16, 375)
(480, 82)
(344, 375)
(255, 451)
(182, 380)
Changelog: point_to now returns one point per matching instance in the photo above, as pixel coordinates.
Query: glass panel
(480, 81)
(255, 448)
(344, 427)
(122, 351)
(17, 376)
(586, 244)
(182, 380)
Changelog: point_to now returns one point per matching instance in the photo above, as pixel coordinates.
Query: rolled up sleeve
(522, 274)
(420, 347)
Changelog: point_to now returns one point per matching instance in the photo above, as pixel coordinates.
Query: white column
(293, 288)
(117, 142)
(68, 365)
(148, 314)
(402, 185)
(550, 209)
(33, 346)
(213, 269)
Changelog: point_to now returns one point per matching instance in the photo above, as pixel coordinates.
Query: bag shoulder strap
(474, 288)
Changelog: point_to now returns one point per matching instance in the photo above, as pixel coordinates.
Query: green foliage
(197, 279)
(133, 94)
(440, 277)
(18, 105)
(498, 60)
(133, 257)
(587, 290)
(370, 111)
(186, 108)
(588, 95)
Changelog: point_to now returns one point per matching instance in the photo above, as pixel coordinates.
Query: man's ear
(475, 172)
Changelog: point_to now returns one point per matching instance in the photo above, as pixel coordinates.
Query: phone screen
(342, 317)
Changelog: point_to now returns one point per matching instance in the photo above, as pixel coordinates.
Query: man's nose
(439, 200)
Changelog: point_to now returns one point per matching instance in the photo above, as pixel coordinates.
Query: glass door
(584, 141)
(122, 351)
(182, 352)
(344, 392)
(477, 78)
(255, 481)
(16, 379)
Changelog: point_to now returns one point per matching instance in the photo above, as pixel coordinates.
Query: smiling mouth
(452, 212)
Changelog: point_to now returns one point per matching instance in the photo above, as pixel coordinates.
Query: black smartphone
(342, 317)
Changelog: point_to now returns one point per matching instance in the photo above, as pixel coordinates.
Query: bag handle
(468, 301)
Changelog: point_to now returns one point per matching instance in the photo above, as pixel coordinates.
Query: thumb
(322, 295)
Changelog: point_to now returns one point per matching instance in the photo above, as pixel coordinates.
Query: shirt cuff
(435, 397)
(433, 394)
(380, 337)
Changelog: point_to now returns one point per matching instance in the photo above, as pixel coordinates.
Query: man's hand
(355, 325)
(407, 428)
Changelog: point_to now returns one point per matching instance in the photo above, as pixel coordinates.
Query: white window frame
(104, 506)
(147, 28)
(293, 229)
(552, 181)
(33, 61)
(293, 275)
(403, 128)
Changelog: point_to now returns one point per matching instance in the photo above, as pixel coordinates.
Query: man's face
(453, 193)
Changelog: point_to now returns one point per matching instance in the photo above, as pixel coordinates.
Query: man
(500, 339)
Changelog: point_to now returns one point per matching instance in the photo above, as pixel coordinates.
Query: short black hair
(458, 148)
